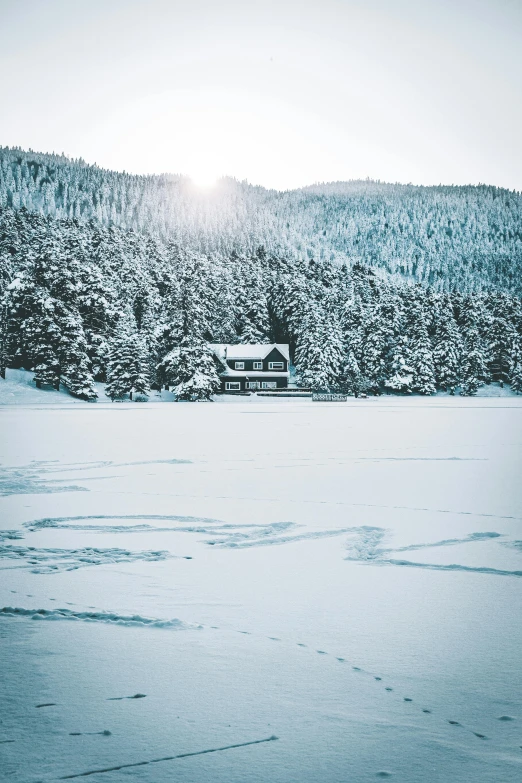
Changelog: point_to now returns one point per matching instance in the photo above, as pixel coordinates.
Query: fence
(328, 397)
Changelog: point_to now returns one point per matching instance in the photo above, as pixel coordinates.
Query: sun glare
(203, 180)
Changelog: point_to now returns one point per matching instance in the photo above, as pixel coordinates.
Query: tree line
(467, 238)
(81, 302)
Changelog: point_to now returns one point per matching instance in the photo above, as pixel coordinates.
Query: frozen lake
(310, 591)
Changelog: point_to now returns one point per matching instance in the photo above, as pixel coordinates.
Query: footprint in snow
(342, 660)
(121, 698)
(407, 699)
(356, 668)
(427, 711)
(377, 678)
(322, 652)
(480, 736)
(506, 717)
(47, 704)
(274, 638)
(454, 722)
(384, 774)
(104, 733)
(300, 644)
(388, 689)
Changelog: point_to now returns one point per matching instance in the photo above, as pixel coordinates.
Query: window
(276, 366)
(258, 365)
(269, 385)
(232, 386)
(253, 385)
(239, 365)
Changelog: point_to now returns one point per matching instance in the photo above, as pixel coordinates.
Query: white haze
(280, 93)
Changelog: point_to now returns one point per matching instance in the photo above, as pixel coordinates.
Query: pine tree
(4, 337)
(421, 354)
(192, 370)
(422, 360)
(374, 350)
(252, 308)
(75, 369)
(127, 370)
(474, 367)
(447, 350)
(515, 376)
(319, 350)
(400, 369)
(502, 331)
(311, 371)
(352, 379)
(351, 320)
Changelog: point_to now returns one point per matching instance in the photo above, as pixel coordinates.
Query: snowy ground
(314, 591)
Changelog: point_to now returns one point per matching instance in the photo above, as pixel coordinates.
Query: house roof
(229, 373)
(249, 350)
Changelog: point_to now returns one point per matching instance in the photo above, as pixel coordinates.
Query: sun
(203, 179)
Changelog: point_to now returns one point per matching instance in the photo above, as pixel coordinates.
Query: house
(252, 367)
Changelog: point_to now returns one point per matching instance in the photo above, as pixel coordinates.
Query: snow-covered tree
(421, 354)
(515, 376)
(400, 369)
(474, 370)
(75, 366)
(352, 379)
(319, 350)
(192, 370)
(374, 349)
(252, 306)
(127, 365)
(447, 350)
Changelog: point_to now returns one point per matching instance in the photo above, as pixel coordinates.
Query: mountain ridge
(465, 237)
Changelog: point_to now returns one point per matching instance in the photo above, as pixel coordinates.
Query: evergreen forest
(378, 288)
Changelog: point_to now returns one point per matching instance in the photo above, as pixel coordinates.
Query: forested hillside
(451, 238)
(82, 301)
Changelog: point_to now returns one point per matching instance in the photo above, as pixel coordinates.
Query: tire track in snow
(118, 767)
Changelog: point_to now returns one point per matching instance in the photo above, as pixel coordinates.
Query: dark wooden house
(253, 367)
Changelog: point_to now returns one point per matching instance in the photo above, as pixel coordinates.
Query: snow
(230, 373)
(249, 351)
(260, 589)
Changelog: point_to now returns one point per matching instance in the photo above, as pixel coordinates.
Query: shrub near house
(253, 366)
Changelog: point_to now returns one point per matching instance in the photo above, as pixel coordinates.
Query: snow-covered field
(264, 590)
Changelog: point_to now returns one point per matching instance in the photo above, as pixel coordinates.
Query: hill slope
(452, 238)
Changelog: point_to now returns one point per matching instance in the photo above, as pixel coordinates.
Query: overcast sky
(280, 92)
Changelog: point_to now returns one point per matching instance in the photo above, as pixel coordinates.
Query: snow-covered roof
(249, 350)
(253, 374)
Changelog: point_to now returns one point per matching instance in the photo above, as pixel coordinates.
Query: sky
(282, 93)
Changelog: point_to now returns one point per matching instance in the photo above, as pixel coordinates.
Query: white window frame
(269, 385)
(239, 365)
(253, 385)
(258, 365)
(276, 365)
(232, 386)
